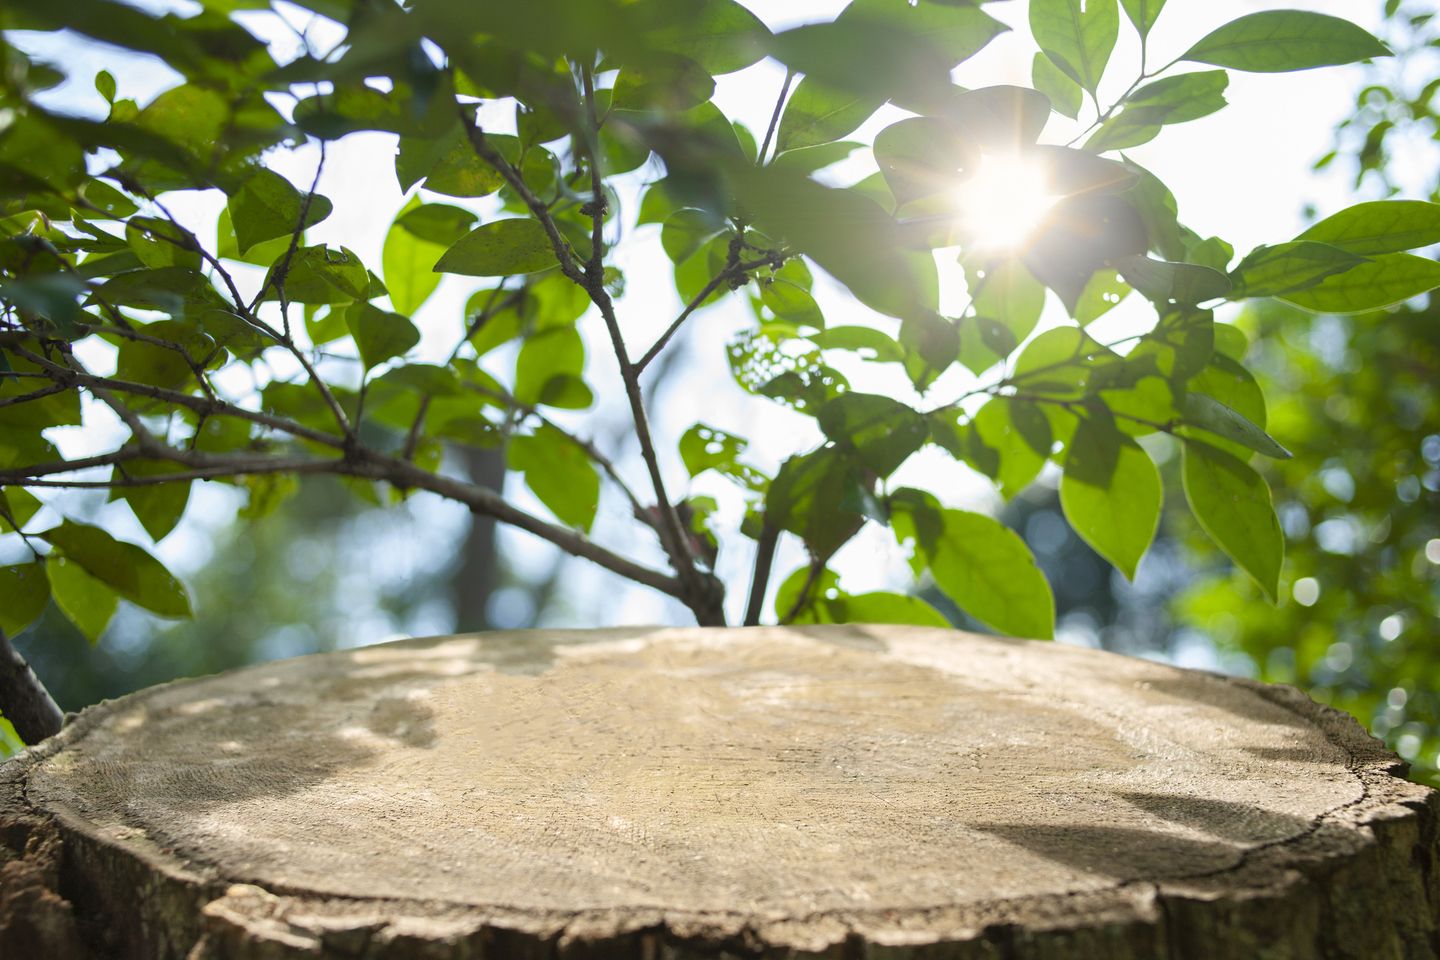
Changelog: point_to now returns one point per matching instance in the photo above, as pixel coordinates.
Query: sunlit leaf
(979, 563)
(1275, 41)
(86, 601)
(1077, 35)
(127, 569)
(24, 592)
(1110, 491)
(499, 249)
(1232, 504)
(559, 473)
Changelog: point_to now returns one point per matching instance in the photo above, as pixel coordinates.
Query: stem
(774, 118)
(24, 701)
(704, 594)
(731, 269)
(764, 559)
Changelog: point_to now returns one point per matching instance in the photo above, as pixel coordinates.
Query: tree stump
(865, 793)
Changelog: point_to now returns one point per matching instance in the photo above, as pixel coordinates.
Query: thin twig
(774, 118)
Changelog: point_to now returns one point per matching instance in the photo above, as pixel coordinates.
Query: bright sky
(1243, 173)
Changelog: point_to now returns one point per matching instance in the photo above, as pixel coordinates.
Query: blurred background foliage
(1358, 625)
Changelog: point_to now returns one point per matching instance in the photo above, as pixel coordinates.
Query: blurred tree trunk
(475, 580)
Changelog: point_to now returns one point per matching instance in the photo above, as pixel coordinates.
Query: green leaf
(320, 275)
(261, 254)
(408, 263)
(920, 156)
(85, 600)
(1143, 13)
(979, 563)
(1065, 94)
(1388, 279)
(127, 569)
(1231, 341)
(1060, 362)
(1187, 96)
(667, 83)
(883, 432)
(1162, 282)
(459, 172)
(1180, 345)
(555, 353)
(809, 159)
(1020, 434)
(114, 203)
(704, 448)
(865, 342)
(931, 345)
(1229, 383)
(160, 243)
(20, 505)
(1158, 211)
(559, 473)
(887, 50)
(1207, 412)
(817, 114)
(157, 507)
(805, 498)
(1232, 504)
(720, 35)
(829, 604)
(500, 249)
(1288, 268)
(379, 334)
(1275, 41)
(439, 223)
(686, 231)
(1180, 99)
(1104, 291)
(105, 85)
(1077, 35)
(141, 362)
(24, 592)
(791, 302)
(1213, 252)
(1117, 510)
(268, 206)
(1009, 295)
(1384, 226)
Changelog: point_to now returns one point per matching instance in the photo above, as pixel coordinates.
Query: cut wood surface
(861, 791)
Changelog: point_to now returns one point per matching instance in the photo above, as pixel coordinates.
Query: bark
(24, 701)
(475, 581)
(862, 793)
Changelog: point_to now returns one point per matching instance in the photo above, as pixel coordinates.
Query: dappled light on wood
(792, 787)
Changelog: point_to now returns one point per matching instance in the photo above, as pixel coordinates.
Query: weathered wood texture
(863, 793)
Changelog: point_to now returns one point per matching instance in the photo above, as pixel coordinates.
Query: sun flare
(1005, 204)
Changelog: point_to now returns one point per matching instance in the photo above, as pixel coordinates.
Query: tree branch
(704, 594)
(774, 118)
(202, 406)
(24, 701)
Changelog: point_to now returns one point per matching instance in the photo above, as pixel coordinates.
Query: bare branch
(202, 406)
(34, 395)
(775, 118)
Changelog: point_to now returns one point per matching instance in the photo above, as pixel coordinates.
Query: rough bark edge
(1293, 900)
